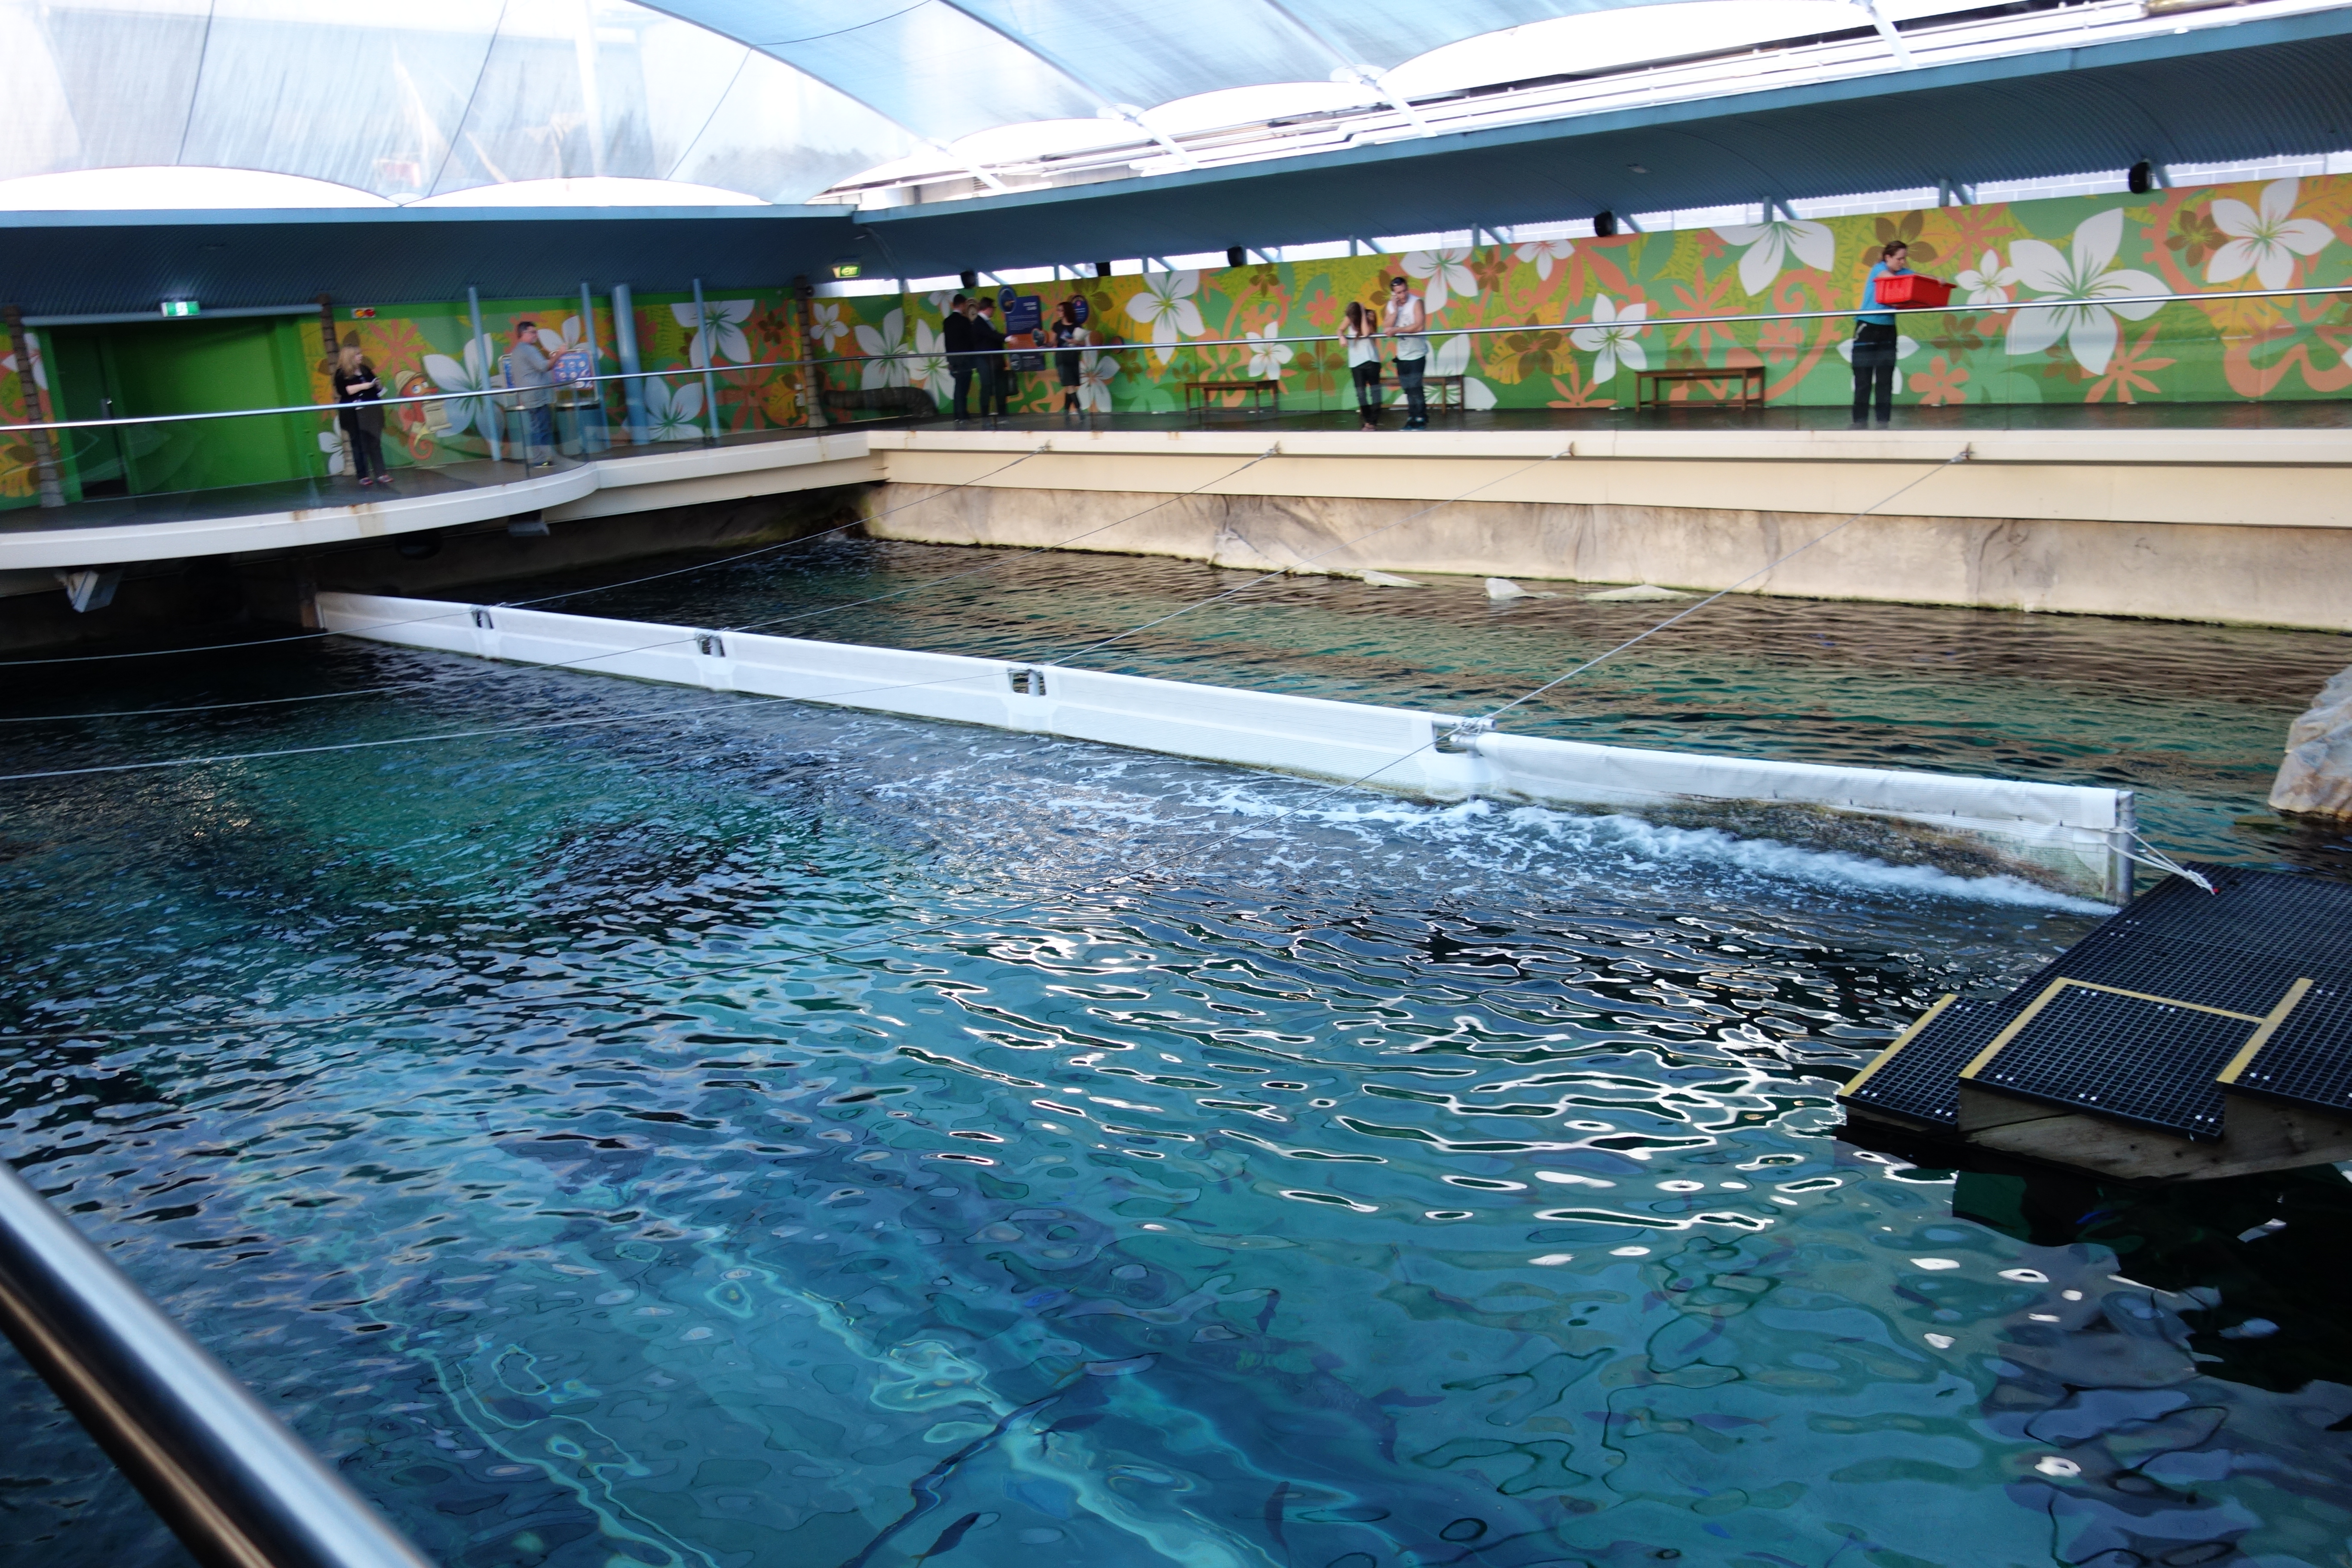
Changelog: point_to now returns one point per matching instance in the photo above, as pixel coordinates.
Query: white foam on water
(1598, 843)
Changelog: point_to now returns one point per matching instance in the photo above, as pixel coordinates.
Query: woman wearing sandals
(1360, 333)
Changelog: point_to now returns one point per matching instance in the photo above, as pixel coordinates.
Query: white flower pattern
(723, 330)
(1266, 356)
(826, 326)
(1988, 282)
(1452, 357)
(1544, 252)
(1771, 244)
(1096, 372)
(1167, 305)
(2267, 242)
(1446, 272)
(459, 415)
(2089, 330)
(672, 412)
(890, 341)
(1610, 337)
(929, 368)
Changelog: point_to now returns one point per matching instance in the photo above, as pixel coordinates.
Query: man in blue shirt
(1875, 341)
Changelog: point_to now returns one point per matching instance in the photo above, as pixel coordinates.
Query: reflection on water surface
(1191, 1167)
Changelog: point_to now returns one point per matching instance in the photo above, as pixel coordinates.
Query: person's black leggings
(1416, 402)
(367, 453)
(962, 381)
(1367, 391)
(991, 388)
(1874, 371)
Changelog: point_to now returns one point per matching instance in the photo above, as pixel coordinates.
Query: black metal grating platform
(2122, 1057)
(2147, 1058)
(2309, 1060)
(1921, 1080)
(2297, 919)
(2210, 976)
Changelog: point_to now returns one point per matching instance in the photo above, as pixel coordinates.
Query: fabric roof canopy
(434, 96)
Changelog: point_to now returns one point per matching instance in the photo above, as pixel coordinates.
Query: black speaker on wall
(969, 279)
(1102, 269)
(2142, 178)
(1236, 255)
(1605, 222)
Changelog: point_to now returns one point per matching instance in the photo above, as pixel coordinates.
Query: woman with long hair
(1359, 333)
(1071, 340)
(362, 416)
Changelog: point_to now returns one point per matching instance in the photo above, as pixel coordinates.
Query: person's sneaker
(1859, 424)
(1885, 425)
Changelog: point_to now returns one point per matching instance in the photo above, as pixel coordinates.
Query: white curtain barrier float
(2067, 837)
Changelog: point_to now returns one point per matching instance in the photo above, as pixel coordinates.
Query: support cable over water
(764, 965)
(591, 658)
(516, 604)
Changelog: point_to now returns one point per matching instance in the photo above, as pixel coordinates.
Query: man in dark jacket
(989, 339)
(955, 332)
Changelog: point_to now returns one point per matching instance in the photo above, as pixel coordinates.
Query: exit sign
(182, 307)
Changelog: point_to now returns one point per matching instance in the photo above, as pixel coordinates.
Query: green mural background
(1576, 320)
(1582, 316)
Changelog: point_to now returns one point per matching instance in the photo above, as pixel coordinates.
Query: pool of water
(730, 1132)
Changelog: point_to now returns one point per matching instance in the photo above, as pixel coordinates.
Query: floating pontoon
(2194, 1034)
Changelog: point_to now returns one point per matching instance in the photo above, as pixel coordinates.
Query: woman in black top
(357, 389)
(1070, 338)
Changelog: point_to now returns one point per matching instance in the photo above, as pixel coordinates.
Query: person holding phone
(357, 390)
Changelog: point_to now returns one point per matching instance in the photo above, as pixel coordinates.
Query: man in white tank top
(1406, 320)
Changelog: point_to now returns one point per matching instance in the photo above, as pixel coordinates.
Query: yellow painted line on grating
(1901, 1040)
(2262, 1036)
(2017, 1025)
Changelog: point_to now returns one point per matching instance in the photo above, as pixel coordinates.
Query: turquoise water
(767, 1135)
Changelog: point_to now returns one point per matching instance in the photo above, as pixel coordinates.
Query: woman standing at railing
(357, 390)
(1361, 338)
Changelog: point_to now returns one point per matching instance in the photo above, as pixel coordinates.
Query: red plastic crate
(1915, 290)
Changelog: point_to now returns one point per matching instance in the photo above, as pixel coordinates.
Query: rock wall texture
(2315, 780)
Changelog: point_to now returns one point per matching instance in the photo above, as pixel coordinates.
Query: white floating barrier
(2066, 836)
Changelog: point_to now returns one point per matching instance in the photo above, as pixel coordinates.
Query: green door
(190, 367)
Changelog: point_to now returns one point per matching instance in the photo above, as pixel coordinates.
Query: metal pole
(482, 367)
(37, 402)
(237, 1488)
(811, 371)
(710, 382)
(624, 348)
(592, 414)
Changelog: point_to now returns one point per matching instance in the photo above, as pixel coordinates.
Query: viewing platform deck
(2226, 512)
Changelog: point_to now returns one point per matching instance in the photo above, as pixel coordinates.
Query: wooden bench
(1263, 395)
(1445, 393)
(888, 402)
(1646, 383)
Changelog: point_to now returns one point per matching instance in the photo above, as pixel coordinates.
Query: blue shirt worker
(1874, 342)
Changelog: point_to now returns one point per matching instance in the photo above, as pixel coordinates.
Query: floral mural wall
(1578, 318)
(1572, 322)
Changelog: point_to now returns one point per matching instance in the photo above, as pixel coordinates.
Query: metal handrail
(1642, 324)
(237, 1488)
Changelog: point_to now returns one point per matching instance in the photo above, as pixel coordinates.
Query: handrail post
(482, 368)
(625, 348)
(236, 1487)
